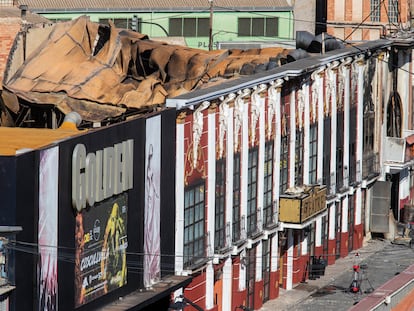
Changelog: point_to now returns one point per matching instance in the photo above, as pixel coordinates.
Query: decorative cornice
(330, 84)
(224, 115)
(274, 94)
(301, 107)
(255, 109)
(198, 129)
(181, 117)
(238, 114)
(316, 76)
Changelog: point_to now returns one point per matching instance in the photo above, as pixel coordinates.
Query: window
(194, 234)
(125, 23)
(369, 164)
(393, 115)
(299, 158)
(250, 277)
(338, 228)
(284, 159)
(220, 236)
(268, 184)
(252, 192)
(327, 152)
(189, 27)
(375, 10)
(7, 3)
(266, 261)
(393, 11)
(258, 27)
(351, 215)
(369, 118)
(340, 150)
(236, 199)
(313, 153)
(352, 145)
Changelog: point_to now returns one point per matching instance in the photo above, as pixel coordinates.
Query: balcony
(270, 217)
(399, 151)
(223, 241)
(239, 231)
(254, 225)
(302, 204)
(343, 184)
(370, 165)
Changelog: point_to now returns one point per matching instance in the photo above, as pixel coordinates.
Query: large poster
(47, 229)
(101, 246)
(152, 249)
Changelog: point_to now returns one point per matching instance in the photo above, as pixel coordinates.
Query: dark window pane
(194, 233)
(104, 21)
(272, 27)
(190, 27)
(121, 23)
(257, 26)
(203, 27)
(375, 10)
(175, 27)
(244, 27)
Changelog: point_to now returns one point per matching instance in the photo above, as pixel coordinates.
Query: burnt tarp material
(101, 71)
(313, 44)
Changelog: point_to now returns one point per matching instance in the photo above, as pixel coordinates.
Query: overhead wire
(137, 265)
(378, 6)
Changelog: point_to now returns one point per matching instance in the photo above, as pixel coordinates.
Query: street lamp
(210, 34)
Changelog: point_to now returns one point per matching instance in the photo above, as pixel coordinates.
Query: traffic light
(134, 23)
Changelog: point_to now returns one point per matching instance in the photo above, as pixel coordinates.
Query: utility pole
(210, 34)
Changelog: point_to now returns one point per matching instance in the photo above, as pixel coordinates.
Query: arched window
(394, 115)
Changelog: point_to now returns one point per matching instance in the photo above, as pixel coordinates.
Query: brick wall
(9, 28)
(8, 3)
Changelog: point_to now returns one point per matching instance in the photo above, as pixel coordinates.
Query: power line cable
(364, 20)
(70, 257)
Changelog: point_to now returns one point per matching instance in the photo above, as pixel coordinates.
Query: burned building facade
(239, 180)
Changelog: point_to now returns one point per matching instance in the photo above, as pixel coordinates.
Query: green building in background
(232, 20)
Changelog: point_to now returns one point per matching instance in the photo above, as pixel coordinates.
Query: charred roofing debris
(107, 74)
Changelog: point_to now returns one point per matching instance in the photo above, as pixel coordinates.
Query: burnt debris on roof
(105, 74)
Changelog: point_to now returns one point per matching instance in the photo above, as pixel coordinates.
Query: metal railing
(332, 188)
(239, 230)
(223, 240)
(370, 165)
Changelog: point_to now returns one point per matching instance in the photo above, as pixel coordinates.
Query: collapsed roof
(103, 72)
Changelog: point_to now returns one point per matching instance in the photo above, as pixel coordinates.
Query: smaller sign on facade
(101, 246)
(302, 205)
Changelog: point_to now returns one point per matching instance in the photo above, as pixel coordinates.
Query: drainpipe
(365, 25)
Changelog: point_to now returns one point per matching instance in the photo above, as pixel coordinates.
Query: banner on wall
(101, 246)
(152, 236)
(48, 229)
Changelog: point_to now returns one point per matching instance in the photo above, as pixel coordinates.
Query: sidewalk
(289, 298)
